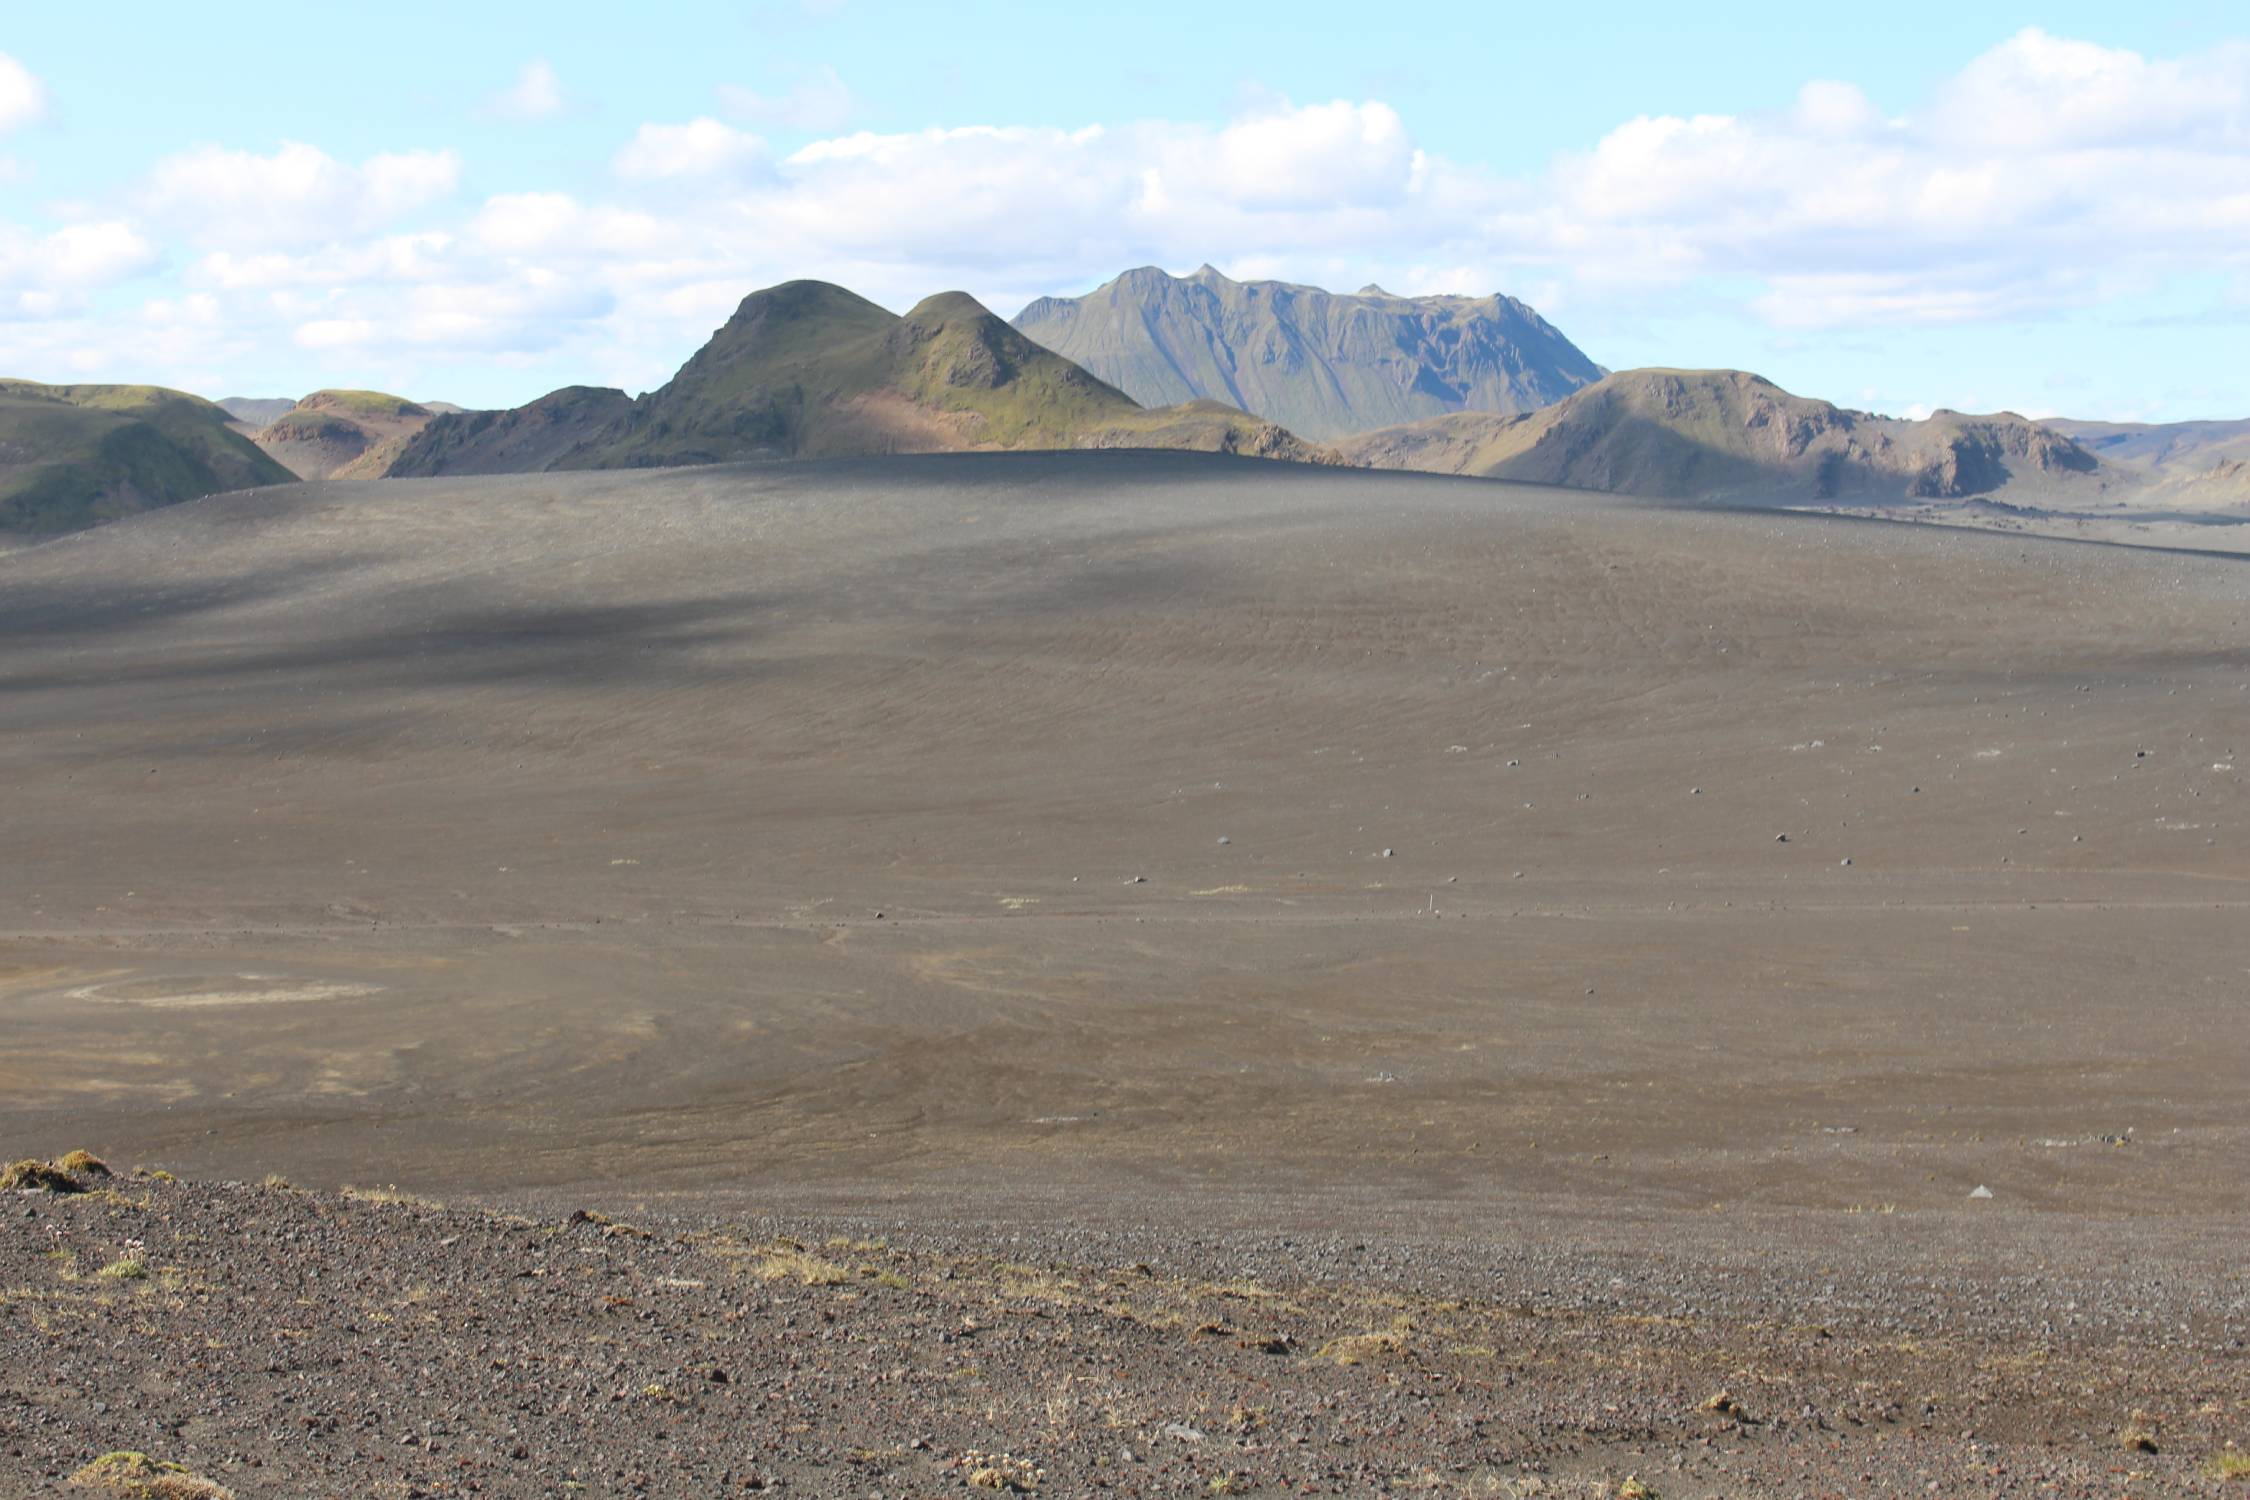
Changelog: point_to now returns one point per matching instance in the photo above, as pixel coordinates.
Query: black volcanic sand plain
(1625, 938)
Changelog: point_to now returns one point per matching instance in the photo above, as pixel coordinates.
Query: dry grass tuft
(2229, 1463)
(388, 1195)
(146, 1478)
(786, 1260)
(125, 1268)
(38, 1176)
(1634, 1489)
(989, 1471)
(84, 1164)
(1365, 1348)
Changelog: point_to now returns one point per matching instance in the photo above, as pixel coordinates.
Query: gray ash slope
(1322, 364)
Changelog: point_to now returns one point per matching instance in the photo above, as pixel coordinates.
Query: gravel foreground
(276, 1342)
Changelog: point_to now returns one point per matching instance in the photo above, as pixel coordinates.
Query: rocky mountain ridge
(1323, 364)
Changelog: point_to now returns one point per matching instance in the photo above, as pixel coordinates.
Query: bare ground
(1112, 846)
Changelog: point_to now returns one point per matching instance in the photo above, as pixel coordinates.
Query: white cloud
(297, 195)
(389, 258)
(536, 94)
(2043, 172)
(1323, 156)
(2046, 173)
(23, 99)
(49, 275)
(94, 255)
(820, 103)
(1827, 106)
(2037, 92)
(700, 148)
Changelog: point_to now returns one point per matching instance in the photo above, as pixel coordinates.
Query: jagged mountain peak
(1317, 362)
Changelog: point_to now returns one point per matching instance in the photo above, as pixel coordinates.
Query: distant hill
(808, 369)
(1322, 364)
(343, 434)
(1725, 434)
(523, 440)
(75, 455)
(250, 413)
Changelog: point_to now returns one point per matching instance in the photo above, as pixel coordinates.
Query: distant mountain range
(2179, 448)
(250, 413)
(1320, 363)
(1454, 385)
(75, 455)
(809, 370)
(1726, 434)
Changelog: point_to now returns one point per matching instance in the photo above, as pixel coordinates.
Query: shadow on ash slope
(1127, 834)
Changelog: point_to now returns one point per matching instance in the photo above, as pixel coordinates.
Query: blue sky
(2041, 207)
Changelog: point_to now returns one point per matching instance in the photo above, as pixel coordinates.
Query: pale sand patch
(161, 993)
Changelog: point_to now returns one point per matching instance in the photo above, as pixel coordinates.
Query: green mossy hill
(950, 354)
(362, 405)
(73, 456)
(764, 386)
(518, 441)
(808, 369)
(329, 413)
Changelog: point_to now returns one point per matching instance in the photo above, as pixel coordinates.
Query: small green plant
(125, 1268)
(2229, 1463)
(83, 1164)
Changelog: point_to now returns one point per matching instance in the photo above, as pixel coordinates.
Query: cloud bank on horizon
(2045, 179)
